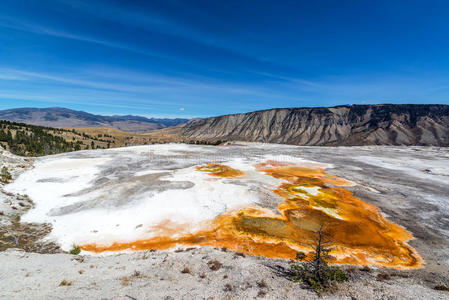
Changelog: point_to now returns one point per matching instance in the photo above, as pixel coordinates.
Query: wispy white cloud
(127, 90)
(12, 77)
(287, 78)
(62, 78)
(142, 20)
(119, 81)
(62, 99)
(115, 88)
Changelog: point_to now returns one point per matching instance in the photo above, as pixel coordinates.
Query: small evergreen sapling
(316, 272)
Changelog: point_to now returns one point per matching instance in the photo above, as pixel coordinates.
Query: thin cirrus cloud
(148, 84)
(30, 27)
(112, 89)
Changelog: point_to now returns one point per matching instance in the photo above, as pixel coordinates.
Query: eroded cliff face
(385, 124)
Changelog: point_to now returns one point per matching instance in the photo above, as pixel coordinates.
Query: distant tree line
(202, 142)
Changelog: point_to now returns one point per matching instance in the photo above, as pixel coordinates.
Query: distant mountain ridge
(384, 124)
(67, 118)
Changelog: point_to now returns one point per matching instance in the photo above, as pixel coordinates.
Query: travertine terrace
(381, 206)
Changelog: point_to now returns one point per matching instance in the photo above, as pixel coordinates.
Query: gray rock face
(385, 124)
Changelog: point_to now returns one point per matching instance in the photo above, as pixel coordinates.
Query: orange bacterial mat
(357, 232)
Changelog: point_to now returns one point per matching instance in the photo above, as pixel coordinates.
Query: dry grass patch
(442, 288)
(137, 274)
(214, 265)
(65, 282)
(125, 281)
(262, 284)
(383, 276)
(261, 293)
(237, 254)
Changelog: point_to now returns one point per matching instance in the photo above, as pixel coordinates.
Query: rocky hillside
(385, 124)
(59, 117)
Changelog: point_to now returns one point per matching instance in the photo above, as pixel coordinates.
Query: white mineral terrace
(117, 195)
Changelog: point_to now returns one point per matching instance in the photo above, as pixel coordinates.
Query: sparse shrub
(228, 287)
(203, 275)
(186, 271)
(5, 175)
(75, 250)
(318, 278)
(300, 255)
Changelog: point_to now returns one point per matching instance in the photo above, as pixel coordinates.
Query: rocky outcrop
(385, 124)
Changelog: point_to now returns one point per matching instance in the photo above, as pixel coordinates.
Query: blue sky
(203, 58)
